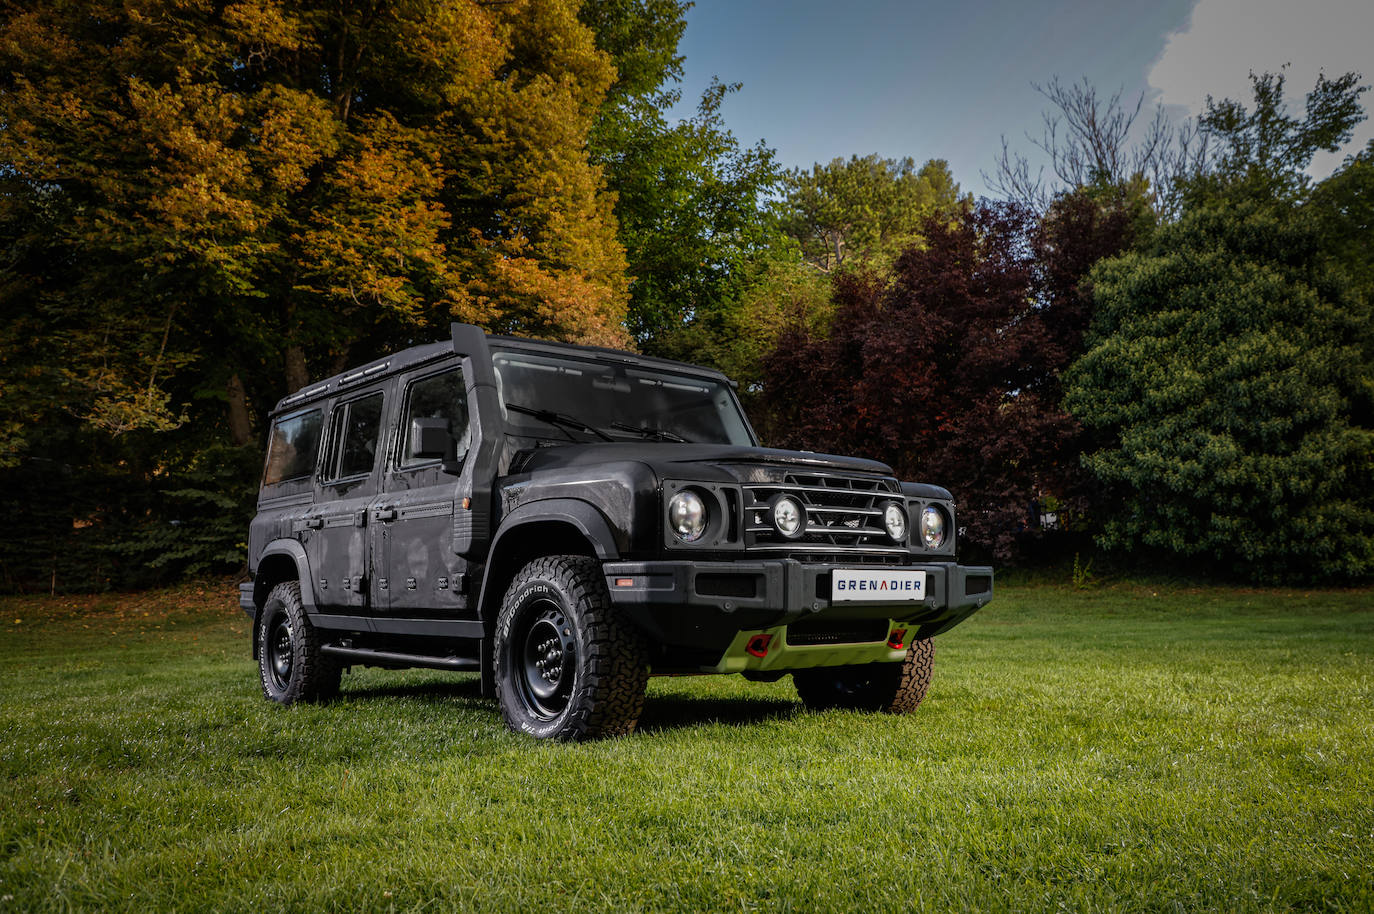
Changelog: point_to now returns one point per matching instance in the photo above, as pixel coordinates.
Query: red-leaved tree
(949, 372)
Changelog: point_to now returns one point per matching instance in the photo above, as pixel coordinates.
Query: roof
(428, 352)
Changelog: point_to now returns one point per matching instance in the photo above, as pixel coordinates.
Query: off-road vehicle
(568, 520)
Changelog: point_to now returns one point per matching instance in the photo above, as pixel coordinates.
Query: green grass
(1114, 749)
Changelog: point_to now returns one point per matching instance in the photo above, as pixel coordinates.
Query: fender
(296, 552)
(580, 515)
(586, 518)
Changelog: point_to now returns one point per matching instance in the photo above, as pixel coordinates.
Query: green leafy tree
(865, 209)
(1227, 367)
(690, 199)
(1344, 203)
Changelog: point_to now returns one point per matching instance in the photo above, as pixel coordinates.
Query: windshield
(573, 399)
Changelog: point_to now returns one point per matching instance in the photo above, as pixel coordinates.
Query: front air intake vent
(847, 631)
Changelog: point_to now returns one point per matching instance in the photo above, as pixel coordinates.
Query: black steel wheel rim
(279, 653)
(544, 659)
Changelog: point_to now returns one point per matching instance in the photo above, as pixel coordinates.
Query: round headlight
(787, 516)
(933, 527)
(894, 519)
(687, 516)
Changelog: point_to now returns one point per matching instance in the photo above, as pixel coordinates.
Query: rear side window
(440, 396)
(293, 447)
(356, 429)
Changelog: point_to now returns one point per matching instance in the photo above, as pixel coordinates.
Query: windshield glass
(573, 399)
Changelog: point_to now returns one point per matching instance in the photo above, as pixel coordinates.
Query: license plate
(877, 585)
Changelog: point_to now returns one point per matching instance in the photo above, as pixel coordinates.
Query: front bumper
(706, 605)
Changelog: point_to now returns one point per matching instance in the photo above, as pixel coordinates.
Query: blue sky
(930, 80)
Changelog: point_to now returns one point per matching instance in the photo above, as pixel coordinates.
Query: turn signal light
(758, 645)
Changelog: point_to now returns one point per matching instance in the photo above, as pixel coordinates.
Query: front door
(419, 572)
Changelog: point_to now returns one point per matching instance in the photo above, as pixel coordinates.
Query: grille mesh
(842, 512)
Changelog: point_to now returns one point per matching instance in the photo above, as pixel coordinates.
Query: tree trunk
(296, 374)
(240, 427)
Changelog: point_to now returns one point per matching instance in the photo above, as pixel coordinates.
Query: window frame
(274, 488)
(403, 419)
(332, 451)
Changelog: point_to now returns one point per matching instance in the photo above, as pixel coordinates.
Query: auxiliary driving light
(788, 517)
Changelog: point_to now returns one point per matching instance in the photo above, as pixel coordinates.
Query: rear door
(348, 483)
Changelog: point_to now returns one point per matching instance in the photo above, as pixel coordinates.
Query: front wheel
(567, 667)
(896, 688)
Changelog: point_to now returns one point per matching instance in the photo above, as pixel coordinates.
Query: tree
(1264, 151)
(941, 374)
(1094, 142)
(1344, 203)
(1224, 364)
(864, 209)
(1227, 367)
(203, 206)
(287, 181)
(1078, 229)
(689, 197)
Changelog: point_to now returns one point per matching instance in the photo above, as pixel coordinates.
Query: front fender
(590, 522)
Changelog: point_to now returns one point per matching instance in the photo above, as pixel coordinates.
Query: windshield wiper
(662, 434)
(566, 421)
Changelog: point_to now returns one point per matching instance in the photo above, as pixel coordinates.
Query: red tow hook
(758, 645)
(897, 640)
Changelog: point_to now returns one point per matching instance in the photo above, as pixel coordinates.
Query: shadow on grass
(667, 713)
(661, 713)
(467, 689)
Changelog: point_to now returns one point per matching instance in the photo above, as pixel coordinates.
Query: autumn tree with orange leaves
(203, 206)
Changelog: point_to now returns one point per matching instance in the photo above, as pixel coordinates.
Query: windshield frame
(667, 369)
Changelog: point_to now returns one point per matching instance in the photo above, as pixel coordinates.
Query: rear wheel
(291, 666)
(567, 667)
(896, 688)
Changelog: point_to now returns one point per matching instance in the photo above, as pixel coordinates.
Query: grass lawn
(1123, 748)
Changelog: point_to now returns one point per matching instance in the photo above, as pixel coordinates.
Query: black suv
(566, 520)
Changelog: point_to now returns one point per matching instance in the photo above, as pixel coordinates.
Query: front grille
(843, 513)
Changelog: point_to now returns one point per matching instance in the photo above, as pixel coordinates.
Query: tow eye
(758, 645)
(897, 640)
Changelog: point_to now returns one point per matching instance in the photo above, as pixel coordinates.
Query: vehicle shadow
(662, 713)
(673, 712)
(467, 689)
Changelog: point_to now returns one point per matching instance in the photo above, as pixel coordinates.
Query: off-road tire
(896, 688)
(557, 621)
(291, 667)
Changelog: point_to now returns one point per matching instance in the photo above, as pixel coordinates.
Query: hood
(674, 460)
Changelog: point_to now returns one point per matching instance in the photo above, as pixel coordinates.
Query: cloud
(1227, 39)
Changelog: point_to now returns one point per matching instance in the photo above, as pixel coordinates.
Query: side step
(368, 657)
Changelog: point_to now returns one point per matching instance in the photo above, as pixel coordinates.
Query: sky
(948, 80)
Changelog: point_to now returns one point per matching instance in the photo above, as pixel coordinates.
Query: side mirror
(430, 440)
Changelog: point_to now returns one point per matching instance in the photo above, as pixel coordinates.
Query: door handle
(314, 523)
(384, 514)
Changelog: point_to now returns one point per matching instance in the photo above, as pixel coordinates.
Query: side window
(355, 430)
(440, 396)
(293, 447)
